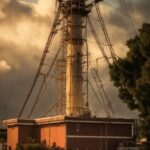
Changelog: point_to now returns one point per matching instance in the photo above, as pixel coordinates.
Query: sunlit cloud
(4, 66)
(45, 8)
(24, 28)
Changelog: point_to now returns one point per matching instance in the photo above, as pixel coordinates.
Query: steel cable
(45, 51)
(101, 20)
(43, 83)
(97, 41)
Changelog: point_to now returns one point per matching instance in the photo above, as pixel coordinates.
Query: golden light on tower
(74, 99)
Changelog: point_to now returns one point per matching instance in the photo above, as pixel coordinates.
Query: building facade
(71, 133)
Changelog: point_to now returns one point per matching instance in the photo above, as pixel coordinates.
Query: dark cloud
(23, 59)
(15, 83)
(122, 16)
(16, 9)
(17, 55)
(143, 8)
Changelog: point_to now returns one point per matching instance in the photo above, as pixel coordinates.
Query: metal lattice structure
(71, 61)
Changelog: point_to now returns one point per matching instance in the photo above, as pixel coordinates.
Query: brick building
(71, 133)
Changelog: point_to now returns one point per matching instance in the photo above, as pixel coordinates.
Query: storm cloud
(24, 28)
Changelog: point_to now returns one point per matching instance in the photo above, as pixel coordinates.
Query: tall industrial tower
(75, 12)
(71, 127)
(71, 18)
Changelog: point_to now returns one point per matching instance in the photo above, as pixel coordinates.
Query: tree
(131, 75)
(29, 145)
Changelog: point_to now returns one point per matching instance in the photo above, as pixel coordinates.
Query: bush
(19, 147)
(30, 145)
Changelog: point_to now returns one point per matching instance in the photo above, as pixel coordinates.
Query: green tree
(131, 75)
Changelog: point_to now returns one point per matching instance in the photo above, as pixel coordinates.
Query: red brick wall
(53, 133)
(12, 139)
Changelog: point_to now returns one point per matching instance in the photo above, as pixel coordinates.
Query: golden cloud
(4, 66)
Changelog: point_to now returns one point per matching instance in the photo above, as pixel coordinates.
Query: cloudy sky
(24, 28)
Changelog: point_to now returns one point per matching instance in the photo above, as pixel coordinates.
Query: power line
(97, 41)
(51, 107)
(125, 10)
(50, 38)
(45, 76)
(101, 20)
(104, 97)
(92, 42)
(43, 83)
(97, 97)
(97, 79)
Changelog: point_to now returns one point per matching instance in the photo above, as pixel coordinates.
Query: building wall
(20, 134)
(73, 133)
(53, 133)
(12, 139)
(95, 136)
(25, 132)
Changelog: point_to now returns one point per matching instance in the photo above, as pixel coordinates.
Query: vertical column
(74, 99)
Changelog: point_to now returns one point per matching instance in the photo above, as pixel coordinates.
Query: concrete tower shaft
(74, 12)
(74, 100)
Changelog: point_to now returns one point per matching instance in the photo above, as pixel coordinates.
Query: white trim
(13, 122)
(21, 124)
(98, 137)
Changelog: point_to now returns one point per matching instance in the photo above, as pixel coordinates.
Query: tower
(69, 131)
(74, 12)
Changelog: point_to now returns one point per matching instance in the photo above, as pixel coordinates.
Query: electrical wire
(125, 10)
(104, 97)
(43, 83)
(101, 20)
(45, 51)
(92, 42)
(60, 48)
(49, 109)
(97, 40)
(103, 107)
(45, 76)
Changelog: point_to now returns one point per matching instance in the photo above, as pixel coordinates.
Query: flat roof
(17, 121)
(65, 119)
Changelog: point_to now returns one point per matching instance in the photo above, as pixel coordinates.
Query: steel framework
(71, 61)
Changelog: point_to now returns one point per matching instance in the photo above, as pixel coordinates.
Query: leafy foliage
(29, 145)
(132, 76)
(32, 145)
